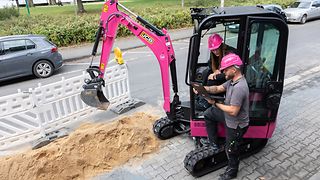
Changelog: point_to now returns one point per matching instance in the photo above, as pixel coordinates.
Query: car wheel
(303, 19)
(43, 69)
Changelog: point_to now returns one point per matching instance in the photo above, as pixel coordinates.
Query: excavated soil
(90, 150)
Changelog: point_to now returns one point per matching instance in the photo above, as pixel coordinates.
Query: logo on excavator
(145, 36)
(105, 8)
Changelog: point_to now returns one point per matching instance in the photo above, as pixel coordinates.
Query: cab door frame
(271, 91)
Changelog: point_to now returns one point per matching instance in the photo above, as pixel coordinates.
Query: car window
(14, 46)
(316, 4)
(1, 49)
(30, 44)
(303, 5)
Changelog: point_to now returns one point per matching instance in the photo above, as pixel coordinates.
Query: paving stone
(274, 162)
(279, 149)
(271, 155)
(311, 167)
(276, 171)
(302, 173)
(158, 177)
(291, 151)
(289, 172)
(254, 175)
(264, 169)
(314, 154)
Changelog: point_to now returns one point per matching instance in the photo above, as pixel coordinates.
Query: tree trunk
(80, 7)
(17, 2)
(52, 2)
(30, 3)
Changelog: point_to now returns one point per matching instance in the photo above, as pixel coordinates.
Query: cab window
(229, 33)
(264, 39)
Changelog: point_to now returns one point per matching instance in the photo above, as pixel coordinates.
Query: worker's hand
(195, 91)
(210, 101)
(213, 76)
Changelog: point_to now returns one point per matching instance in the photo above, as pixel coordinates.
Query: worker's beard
(229, 76)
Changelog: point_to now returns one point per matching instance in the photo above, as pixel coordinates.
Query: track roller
(164, 128)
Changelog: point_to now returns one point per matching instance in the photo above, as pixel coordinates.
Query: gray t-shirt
(237, 94)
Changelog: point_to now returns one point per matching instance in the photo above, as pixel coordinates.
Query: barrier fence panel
(18, 120)
(117, 84)
(60, 104)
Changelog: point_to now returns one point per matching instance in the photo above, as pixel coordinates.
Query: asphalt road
(144, 72)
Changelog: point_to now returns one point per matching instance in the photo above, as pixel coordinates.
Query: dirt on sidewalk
(88, 151)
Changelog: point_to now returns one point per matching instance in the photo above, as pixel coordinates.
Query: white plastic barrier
(117, 85)
(18, 120)
(28, 116)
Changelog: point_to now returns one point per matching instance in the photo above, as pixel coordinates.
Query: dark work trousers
(212, 116)
(233, 140)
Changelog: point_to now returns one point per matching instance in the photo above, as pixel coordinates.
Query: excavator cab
(260, 38)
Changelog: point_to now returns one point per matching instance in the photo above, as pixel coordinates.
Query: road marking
(180, 43)
(70, 72)
(78, 64)
(297, 77)
(183, 48)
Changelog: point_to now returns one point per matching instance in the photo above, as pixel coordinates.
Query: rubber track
(163, 123)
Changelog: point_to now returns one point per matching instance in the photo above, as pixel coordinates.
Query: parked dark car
(271, 7)
(23, 55)
(274, 8)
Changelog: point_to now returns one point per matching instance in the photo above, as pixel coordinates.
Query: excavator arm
(157, 40)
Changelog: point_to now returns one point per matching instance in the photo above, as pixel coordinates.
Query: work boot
(230, 173)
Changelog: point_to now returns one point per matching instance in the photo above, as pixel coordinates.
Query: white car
(301, 11)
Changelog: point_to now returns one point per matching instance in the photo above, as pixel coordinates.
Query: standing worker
(234, 112)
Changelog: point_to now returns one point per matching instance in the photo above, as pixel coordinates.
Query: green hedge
(69, 30)
(8, 12)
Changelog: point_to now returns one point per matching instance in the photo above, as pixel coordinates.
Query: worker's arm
(215, 89)
(230, 109)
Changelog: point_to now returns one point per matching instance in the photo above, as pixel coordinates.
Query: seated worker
(212, 75)
(234, 112)
(217, 50)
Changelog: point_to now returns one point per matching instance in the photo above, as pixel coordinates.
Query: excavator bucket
(95, 98)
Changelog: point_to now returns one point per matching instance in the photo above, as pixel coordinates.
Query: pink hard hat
(214, 41)
(230, 60)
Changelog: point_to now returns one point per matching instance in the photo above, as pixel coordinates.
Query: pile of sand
(88, 151)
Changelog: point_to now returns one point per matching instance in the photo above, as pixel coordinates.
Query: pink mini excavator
(260, 39)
